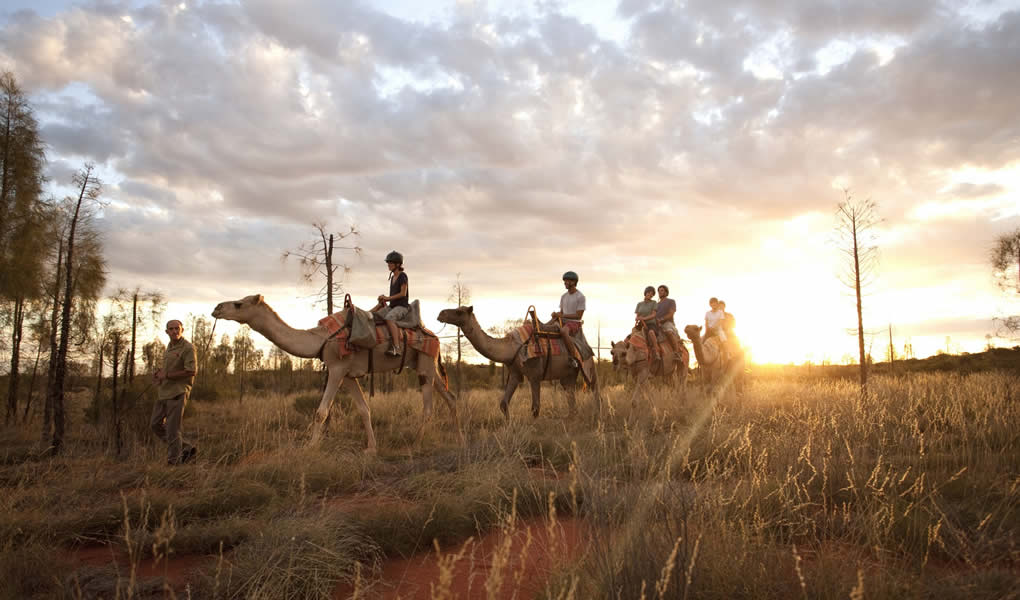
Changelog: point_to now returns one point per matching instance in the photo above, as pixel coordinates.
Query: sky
(701, 144)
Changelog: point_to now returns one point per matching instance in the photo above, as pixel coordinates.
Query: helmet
(395, 257)
(570, 275)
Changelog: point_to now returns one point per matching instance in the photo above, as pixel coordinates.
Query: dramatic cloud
(707, 144)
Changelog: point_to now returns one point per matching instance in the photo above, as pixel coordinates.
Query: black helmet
(395, 257)
(570, 275)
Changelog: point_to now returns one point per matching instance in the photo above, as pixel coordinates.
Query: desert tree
(246, 358)
(856, 232)
(221, 357)
(319, 265)
(152, 304)
(460, 294)
(502, 330)
(1005, 260)
(24, 219)
(88, 189)
(152, 355)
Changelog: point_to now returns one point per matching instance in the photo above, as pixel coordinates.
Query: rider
(569, 315)
(664, 312)
(713, 321)
(398, 304)
(729, 324)
(644, 314)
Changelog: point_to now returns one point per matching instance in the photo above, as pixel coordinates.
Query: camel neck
(501, 350)
(303, 343)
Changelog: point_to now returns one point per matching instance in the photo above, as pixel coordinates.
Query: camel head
(242, 310)
(619, 353)
(693, 332)
(459, 316)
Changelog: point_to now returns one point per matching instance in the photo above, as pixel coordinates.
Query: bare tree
(856, 223)
(460, 294)
(1005, 259)
(317, 260)
(89, 188)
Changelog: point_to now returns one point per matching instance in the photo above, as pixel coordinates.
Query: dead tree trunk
(13, 378)
(51, 368)
(60, 372)
(31, 383)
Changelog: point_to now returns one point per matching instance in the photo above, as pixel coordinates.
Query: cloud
(975, 190)
(512, 146)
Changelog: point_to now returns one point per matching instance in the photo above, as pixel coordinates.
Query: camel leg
(426, 415)
(351, 385)
(570, 389)
(639, 386)
(595, 385)
(427, 368)
(536, 395)
(333, 380)
(512, 381)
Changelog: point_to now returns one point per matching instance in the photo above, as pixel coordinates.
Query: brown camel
(314, 343)
(512, 353)
(710, 358)
(632, 355)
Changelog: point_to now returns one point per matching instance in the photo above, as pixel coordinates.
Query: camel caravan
(391, 337)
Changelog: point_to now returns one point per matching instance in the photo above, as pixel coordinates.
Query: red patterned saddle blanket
(538, 346)
(421, 339)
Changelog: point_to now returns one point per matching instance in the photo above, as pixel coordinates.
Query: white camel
(315, 343)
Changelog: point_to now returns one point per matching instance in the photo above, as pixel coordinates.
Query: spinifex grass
(795, 489)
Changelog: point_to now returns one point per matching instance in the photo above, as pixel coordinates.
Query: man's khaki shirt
(179, 356)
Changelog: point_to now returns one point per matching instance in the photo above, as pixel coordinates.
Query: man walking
(174, 383)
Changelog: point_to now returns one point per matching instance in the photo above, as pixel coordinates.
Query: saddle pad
(420, 339)
(334, 322)
(637, 347)
(538, 347)
(523, 333)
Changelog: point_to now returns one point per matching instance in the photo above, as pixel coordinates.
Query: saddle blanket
(537, 346)
(638, 344)
(420, 339)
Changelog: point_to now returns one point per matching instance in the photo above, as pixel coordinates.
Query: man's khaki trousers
(166, 424)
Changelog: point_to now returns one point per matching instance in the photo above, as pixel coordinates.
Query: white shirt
(713, 318)
(571, 303)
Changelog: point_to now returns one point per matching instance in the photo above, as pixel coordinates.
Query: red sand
(177, 570)
(525, 568)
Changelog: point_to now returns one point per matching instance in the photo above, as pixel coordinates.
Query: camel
(634, 360)
(512, 353)
(314, 343)
(709, 353)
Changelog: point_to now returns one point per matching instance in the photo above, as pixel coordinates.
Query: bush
(306, 404)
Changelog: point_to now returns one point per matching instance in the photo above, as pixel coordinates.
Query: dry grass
(795, 489)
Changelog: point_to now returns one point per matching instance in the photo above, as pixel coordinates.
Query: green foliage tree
(246, 358)
(151, 303)
(219, 359)
(1005, 260)
(23, 219)
(152, 355)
